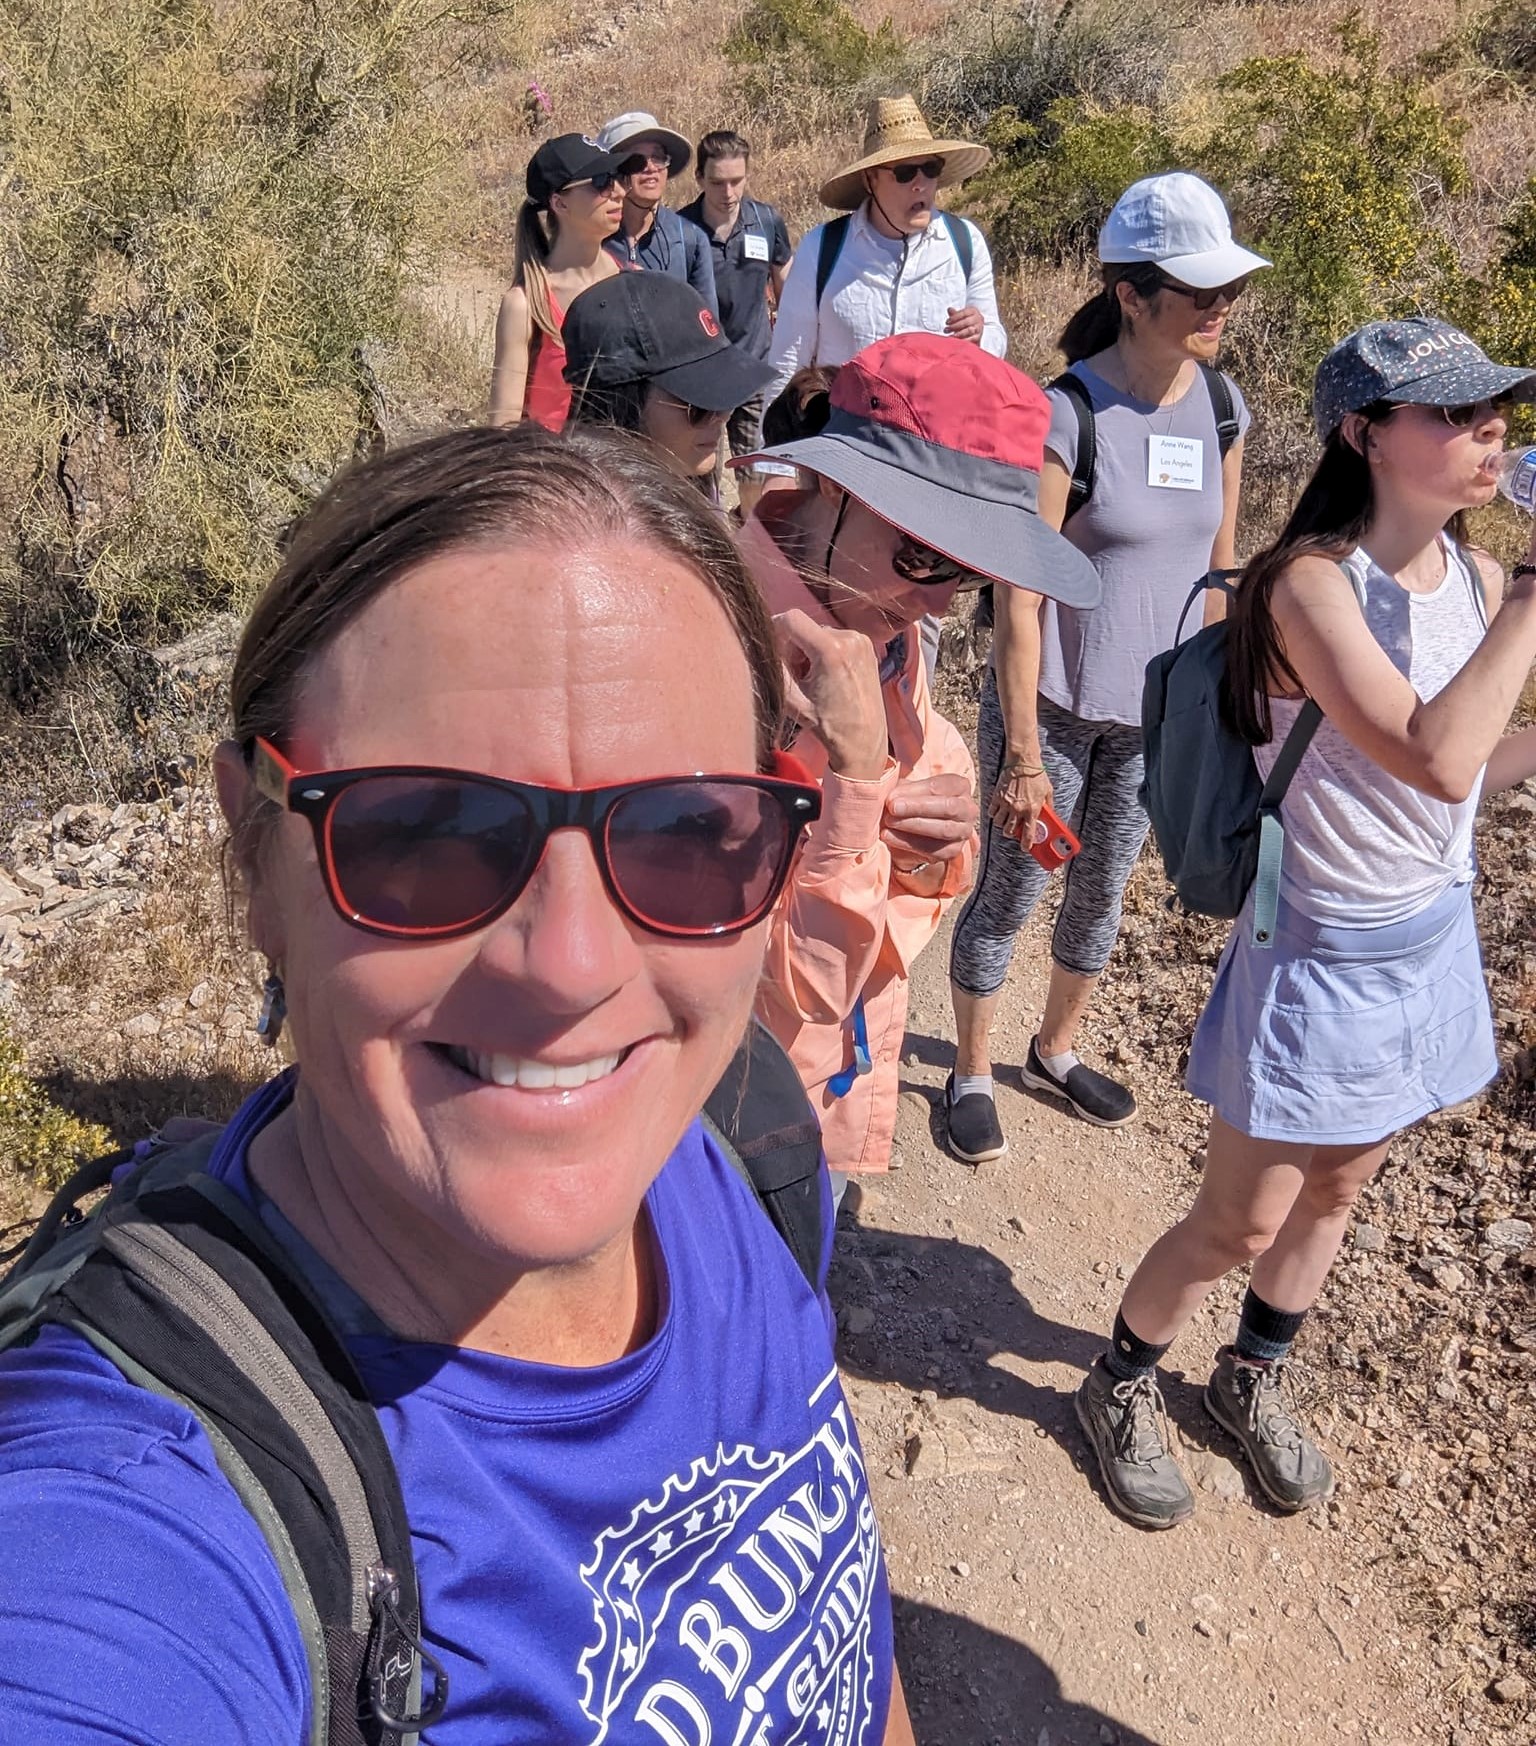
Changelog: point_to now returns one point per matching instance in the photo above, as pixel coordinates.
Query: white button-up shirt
(878, 287)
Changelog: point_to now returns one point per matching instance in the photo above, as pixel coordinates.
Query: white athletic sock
(966, 1083)
(1058, 1066)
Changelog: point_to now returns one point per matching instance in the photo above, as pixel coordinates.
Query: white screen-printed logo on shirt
(1175, 463)
(735, 1609)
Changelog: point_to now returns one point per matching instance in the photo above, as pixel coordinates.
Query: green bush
(1504, 305)
(214, 212)
(798, 59)
(36, 1136)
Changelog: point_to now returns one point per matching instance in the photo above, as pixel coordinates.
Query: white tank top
(1363, 849)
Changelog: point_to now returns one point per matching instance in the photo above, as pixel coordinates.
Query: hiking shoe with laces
(1126, 1424)
(1248, 1400)
(1095, 1096)
(975, 1133)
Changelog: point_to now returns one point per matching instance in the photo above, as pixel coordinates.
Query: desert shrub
(1024, 63)
(1504, 305)
(1505, 40)
(214, 213)
(801, 62)
(36, 1136)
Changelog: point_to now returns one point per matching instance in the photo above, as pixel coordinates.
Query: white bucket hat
(1178, 223)
(614, 136)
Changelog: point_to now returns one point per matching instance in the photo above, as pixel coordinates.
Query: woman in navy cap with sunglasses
(574, 202)
(508, 812)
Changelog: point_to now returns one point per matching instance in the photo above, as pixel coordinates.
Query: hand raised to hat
(832, 686)
(966, 324)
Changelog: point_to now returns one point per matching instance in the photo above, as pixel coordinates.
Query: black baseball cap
(650, 327)
(559, 162)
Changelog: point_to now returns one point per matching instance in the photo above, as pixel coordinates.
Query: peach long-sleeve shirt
(849, 927)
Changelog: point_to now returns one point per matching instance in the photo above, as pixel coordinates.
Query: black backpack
(175, 1279)
(1084, 470)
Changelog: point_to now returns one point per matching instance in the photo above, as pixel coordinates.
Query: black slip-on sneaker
(975, 1133)
(1095, 1096)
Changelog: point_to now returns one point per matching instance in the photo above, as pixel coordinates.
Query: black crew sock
(1129, 1356)
(1264, 1334)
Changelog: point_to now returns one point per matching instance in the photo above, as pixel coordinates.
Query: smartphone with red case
(1054, 842)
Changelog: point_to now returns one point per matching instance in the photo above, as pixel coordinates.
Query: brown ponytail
(537, 228)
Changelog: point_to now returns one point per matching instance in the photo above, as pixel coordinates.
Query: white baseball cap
(1178, 223)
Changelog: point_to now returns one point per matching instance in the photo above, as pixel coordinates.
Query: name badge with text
(754, 247)
(1175, 463)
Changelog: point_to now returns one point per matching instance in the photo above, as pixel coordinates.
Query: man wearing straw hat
(894, 263)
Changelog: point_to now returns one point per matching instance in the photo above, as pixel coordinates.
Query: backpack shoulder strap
(763, 1122)
(176, 1281)
(834, 234)
(1222, 404)
(1076, 391)
(960, 236)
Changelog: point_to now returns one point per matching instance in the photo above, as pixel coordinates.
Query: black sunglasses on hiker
(932, 168)
(417, 853)
(1207, 298)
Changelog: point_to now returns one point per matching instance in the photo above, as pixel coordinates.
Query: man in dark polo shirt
(750, 248)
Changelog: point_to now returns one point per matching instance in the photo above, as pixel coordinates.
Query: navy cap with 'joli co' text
(1416, 361)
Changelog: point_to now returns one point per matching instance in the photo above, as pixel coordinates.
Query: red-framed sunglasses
(418, 853)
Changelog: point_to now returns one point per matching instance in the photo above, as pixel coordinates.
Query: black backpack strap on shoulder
(960, 236)
(834, 233)
(189, 1295)
(1081, 402)
(1220, 390)
(763, 1122)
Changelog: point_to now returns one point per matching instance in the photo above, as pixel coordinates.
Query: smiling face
(553, 666)
(1170, 321)
(646, 181)
(861, 589)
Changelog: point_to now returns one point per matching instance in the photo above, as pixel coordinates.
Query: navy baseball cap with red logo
(946, 442)
(650, 327)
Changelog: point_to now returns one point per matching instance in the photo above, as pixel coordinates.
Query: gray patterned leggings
(1095, 768)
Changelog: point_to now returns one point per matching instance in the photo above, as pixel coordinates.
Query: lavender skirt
(1342, 1036)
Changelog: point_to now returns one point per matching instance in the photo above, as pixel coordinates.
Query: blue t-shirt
(676, 1547)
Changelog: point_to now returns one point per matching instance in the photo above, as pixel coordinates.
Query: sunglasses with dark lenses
(696, 415)
(599, 184)
(642, 161)
(1464, 417)
(1208, 299)
(415, 853)
(916, 562)
(932, 168)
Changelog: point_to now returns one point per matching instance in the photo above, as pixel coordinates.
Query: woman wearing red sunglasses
(923, 462)
(510, 821)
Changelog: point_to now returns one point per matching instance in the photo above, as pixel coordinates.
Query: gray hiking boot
(1125, 1423)
(1248, 1400)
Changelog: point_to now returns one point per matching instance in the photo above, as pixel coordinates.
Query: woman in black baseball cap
(644, 353)
(574, 202)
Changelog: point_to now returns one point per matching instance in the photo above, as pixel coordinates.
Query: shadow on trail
(968, 1686)
(133, 1105)
(942, 1310)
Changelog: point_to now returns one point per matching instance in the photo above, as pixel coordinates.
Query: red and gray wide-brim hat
(946, 442)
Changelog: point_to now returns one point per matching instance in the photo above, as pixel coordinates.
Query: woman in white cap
(1142, 474)
(574, 202)
(1366, 1008)
(923, 465)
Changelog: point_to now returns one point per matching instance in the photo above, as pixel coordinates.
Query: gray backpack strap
(960, 236)
(1266, 880)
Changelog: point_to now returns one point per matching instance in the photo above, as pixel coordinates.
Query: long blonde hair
(537, 228)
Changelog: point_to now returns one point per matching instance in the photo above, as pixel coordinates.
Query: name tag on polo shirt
(754, 247)
(1175, 463)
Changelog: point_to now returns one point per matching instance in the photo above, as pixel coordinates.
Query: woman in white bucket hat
(1142, 475)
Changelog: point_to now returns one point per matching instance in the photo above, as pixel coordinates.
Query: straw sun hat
(895, 133)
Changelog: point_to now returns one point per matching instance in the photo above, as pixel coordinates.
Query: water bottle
(1517, 478)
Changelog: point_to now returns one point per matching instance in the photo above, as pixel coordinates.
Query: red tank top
(547, 394)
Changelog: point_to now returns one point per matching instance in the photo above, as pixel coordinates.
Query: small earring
(274, 1009)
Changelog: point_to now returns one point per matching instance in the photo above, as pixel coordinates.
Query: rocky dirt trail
(969, 1301)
